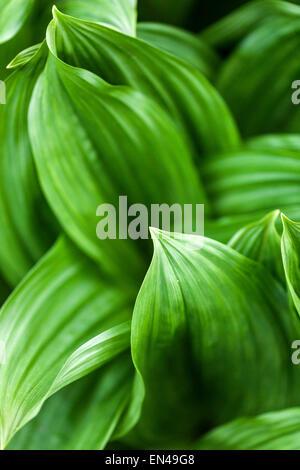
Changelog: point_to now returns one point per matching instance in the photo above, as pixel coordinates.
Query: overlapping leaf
(28, 224)
(62, 322)
(122, 144)
(284, 144)
(260, 241)
(212, 327)
(181, 44)
(259, 91)
(119, 14)
(214, 356)
(238, 24)
(181, 89)
(241, 186)
(84, 415)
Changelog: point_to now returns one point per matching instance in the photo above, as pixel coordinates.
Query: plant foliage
(100, 345)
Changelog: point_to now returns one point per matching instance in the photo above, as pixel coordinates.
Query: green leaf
(193, 103)
(261, 242)
(77, 175)
(258, 95)
(24, 56)
(119, 14)
(26, 223)
(290, 247)
(253, 183)
(48, 328)
(270, 431)
(238, 24)
(13, 15)
(82, 416)
(182, 44)
(283, 144)
(214, 330)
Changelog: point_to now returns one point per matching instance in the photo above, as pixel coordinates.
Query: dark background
(191, 14)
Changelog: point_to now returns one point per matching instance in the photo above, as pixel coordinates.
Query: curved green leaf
(290, 247)
(26, 223)
(261, 102)
(13, 15)
(182, 44)
(152, 164)
(270, 431)
(284, 144)
(214, 329)
(122, 60)
(242, 21)
(44, 325)
(82, 416)
(119, 14)
(260, 241)
(253, 182)
(24, 56)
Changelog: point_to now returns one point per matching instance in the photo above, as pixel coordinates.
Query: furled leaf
(151, 165)
(260, 241)
(46, 327)
(182, 44)
(270, 431)
(13, 15)
(290, 247)
(26, 224)
(214, 330)
(122, 60)
(82, 416)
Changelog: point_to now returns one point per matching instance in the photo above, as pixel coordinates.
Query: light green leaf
(24, 56)
(151, 166)
(46, 327)
(192, 102)
(27, 227)
(92, 354)
(270, 431)
(119, 14)
(82, 416)
(13, 15)
(283, 144)
(214, 330)
(261, 242)
(253, 182)
(182, 44)
(290, 247)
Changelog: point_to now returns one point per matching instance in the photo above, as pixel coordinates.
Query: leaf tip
(55, 12)
(285, 220)
(289, 226)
